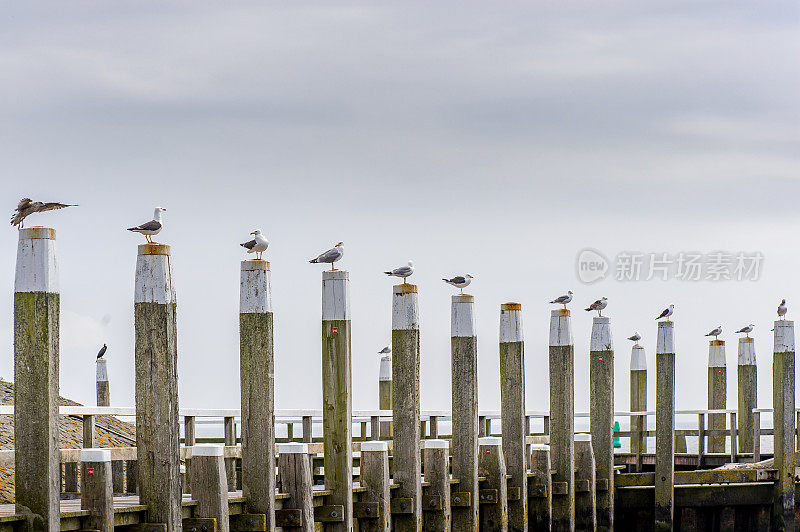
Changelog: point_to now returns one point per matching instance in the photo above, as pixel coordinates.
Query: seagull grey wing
(561, 299)
(663, 313)
(249, 245)
(458, 279)
(152, 225)
(53, 206)
(402, 270)
(23, 204)
(331, 255)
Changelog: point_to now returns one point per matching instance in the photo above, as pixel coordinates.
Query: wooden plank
(330, 513)
(375, 479)
(562, 419)
(248, 522)
(295, 475)
(540, 489)
(585, 476)
(437, 513)
(199, 524)
(209, 485)
(493, 497)
(704, 476)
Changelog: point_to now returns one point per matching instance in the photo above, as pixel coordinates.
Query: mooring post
(512, 412)
(405, 405)
(585, 479)
(103, 387)
(189, 440)
(156, 353)
(257, 379)
(717, 395)
(638, 400)
(494, 495)
(97, 495)
(665, 426)
(540, 488)
(437, 513)
(210, 485)
(783, 417)
(385, 393)
(37, 464)
(748, 393)
(601, 408)
(375, 513)
(562, 419)
(337, 397)
(295, 475)
(464, 361)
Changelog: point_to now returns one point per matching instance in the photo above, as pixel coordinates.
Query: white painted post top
(747, 352)
(583, 437)
(601, 334)
(95, 455)
(208, 449)
(102, 370)
(560, 327)
(490, 441)
(462, 316)
(374, 446)
(37, 268)
(716, 354)
(784, 336)
(511, 323)
(665, 342)
(436, 444)
(154, 275)
(638, 358)
(540, 447)
(335, 295)
(405, 309)
(385, 373)
(255, 289)
(293, 448)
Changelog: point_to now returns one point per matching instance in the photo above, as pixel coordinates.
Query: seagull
(747, 329)
(153, 227)
(459, 281)
(258, 245)
(716, 332)
(330, 256)
(782, 309)
(635, 338)
(26, 207)
(563, 300)
(598, 305)
(403, 271)
(102, 352)
(386, 351)
(666, 313)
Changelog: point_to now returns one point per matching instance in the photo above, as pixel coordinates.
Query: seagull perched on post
(598, 305)
(666, 313)
(258, 245)
(747, 329)
(151, 228)
(716, 332)
(386, 351)
(330, 256)
(403, 271)
(635, 338)
(459, 281)
(102, 352)
(563, 300)
(26, 207)
(782, 309)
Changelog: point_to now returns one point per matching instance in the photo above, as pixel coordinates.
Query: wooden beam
(601, 408)
(97, 496)
(437, 513)
(562, 418)
(747, 374)
(717, 395)
(638, 403)
(783, 401)
(209, 485)
(540, 489)
(665, 426)
(585, 481)
(492, 467)
(375, 479)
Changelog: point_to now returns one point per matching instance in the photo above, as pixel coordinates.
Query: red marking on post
(336, 330)
(89, 471)
(488, 451)
(600, 359)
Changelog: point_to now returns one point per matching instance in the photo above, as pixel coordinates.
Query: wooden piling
(437, 513)
(540, 489)
(494, 495)
(638, 402)
(585, 480)
(405, 405)
(337, 408)
(36, 332)
(296, 482)
(97, 496)
(375, 478)
(748, 393)
(562, 419)
(385, 393)
(210, 485)
(189, 440)
(464, 360)
(601, 405)
(783, 401)
(103, 387)
(257, 376)
(717, 394)
(512, 411)
(665, 426)
(156, 354)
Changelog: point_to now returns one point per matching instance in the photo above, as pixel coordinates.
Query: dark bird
(782, 309)
(102, 351)
(151, 228)
(26, 207)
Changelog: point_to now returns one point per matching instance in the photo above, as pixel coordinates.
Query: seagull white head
(157, 212)
(256, 232)
(340, 244)
(411, 263)
(468, 275)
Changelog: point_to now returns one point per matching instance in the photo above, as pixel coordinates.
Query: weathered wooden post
(103, 387)
(405, 405)
(437, 513)
(156, 353)
(337, 408)
(385, 393)
(464, 360)
(541, 489)
(585, 478)
(96, 493)
(562, 419)
(494, 497)
(257, 376)
(748, 393)
(601, 405)
(665, 426)
(375, 515)
(36, 329)
(783, 420)
(210, 484)
(717, 395)
(638, 401)
(295, 468)
(512, 411)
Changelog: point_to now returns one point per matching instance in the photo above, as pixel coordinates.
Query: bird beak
(252, 232)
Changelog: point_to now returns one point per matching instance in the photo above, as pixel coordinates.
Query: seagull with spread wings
(26, 207)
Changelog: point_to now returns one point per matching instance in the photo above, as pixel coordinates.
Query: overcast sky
(492, 139)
